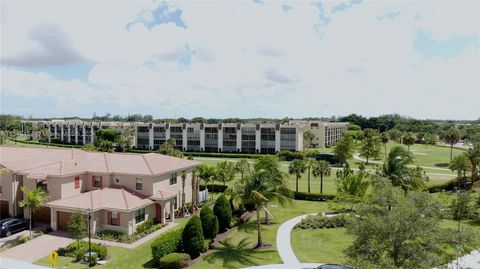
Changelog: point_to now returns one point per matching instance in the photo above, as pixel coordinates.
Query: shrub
(312, 196)
(322, 222)
(223, 211)
(192, 237)
(209, 222)
(165, 244)
(174, 261)
(446, 186)
(214, 187)
(72, 250)
(287, 155)
(145, 226)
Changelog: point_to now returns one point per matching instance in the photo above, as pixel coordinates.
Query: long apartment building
(267, 138)
(222, 137)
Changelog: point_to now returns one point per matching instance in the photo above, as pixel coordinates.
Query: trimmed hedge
(174, 261)
(312, 196)
(214, 187)
(322, 222)
(192, 237)
(167, 243)
(209, 222)
(223, 211)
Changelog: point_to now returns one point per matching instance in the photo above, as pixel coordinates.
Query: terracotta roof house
(121, 190)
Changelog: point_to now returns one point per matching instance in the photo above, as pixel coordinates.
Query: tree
(210, 224)
(223, 211)
(409, 139)
(77, 227)
(309, 163)
(370, 145)
(183, 209)
(395, 168)
(384, 137)
(195, 200)
(192, 237)
(264, 184)
(206, 173)
(395, 134)
(108, 134)
(320, 169)
(430, 139)
(344, 149)
(351, 187)
(33, 200)
(461, 164)
(473, 155)
(451, 137)
(308, 137)
(395, 231)
(225, 172)
(242, 167)
(168, 148)
(462, 209)
(297, 168)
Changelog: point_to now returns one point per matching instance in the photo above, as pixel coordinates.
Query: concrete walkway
(471, 260)
(38, 247)
(6, 263)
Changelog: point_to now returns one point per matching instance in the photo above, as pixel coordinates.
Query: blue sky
(241, 59)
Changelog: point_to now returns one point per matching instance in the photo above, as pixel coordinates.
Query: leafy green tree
(107, 139)
(77, 227)
(461, 164)
(384, 137)
(223, 211)
(308, 137)
(473, 155)
(320, 169)
(33, 200)
(344, 149)
(395, 231)
(263, 185)
(242, 167)
(395, 134)
(168, 148)
(430, 139)
(225, 172)
(451, 137)
(206, 173)
(409, 139)
(210, 224)
(395, 168)
(370, 147)
(351, 187)
(297, 168)
(462, 209)
(192, 237)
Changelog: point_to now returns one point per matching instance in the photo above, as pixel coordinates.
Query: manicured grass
(232, 257)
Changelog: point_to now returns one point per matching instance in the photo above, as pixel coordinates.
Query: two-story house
(120, 190)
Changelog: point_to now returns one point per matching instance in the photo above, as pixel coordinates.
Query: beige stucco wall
(163, 183)
(9, 187)
(129, 181)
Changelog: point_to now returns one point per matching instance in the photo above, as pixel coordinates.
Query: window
(77, 182)
(138, 183)
(114, 218)
(173, 179)
(97, 181)
(140, 215)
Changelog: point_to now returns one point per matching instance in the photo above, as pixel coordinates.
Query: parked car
(11, 225)
(332, 266)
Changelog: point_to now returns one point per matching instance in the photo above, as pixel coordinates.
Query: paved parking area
(38, 248)
(6, 240)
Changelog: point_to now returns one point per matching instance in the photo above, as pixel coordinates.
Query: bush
(165, 244)
(174, 261)
(223, 211)
(214, 187)
(312, 196)
(209, 223)
(287, 155)
(322, 222)
(145, 226)
(446, 186)
(73, 251)
(192, 237)
(208, 154)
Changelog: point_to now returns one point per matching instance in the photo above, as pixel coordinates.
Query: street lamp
(89, 239)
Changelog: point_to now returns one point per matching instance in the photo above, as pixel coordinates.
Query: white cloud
(245, 59)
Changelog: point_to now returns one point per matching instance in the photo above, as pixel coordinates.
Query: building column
(150, 136)
(184, 136)
(69, 134)
(92, 134)
(202, 137)
(61, 133)
(239, 137)
(162, 210)
(84, 138)
(220, 137)
(76, 133)
(53, 219)
(257, 138)
(55, 131)
(277, 139)
(167, 131)
(172, 211)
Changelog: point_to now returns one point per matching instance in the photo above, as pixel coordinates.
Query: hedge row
(214, 187)
(31, 142)
(167, 243)
(174, 261)
(207, 154)
(446, 186)
(312, 196)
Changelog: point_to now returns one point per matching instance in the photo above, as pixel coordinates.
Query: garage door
(42, 215)
(4, 209)
(62, 220)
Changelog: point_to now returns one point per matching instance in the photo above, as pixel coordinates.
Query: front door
(158, 212)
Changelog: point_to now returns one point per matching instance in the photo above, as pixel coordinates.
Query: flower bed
(147, 227)
(322, 222)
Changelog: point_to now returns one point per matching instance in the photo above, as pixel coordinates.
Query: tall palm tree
(242, 167)
(451, 136)
(409, 139)
(297, 168)
(195, 201)
(33, 200)
(385, 138)
(395, 168)
(184, 177)
(320, 169)
(461, 164)
(264, 184)
(473, 155)
(309, 163)
(206, 173)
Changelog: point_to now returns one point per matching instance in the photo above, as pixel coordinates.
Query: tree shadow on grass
(229, 254)
(442, 165)
(149, 264)
(248, 227)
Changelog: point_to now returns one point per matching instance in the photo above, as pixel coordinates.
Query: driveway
(38, 248)
(6, 240)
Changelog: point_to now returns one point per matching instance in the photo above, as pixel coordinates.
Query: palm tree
(265, 183)
(473, 155)
(395, 168)
(297, 168)
(451, 137)
(461, 164)
(309, 163)
(206, 173)
(409, 139)
(320, 169)
(184, 177)
(33, 200)
(385, 138)
(242, 167)
(195, 201)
